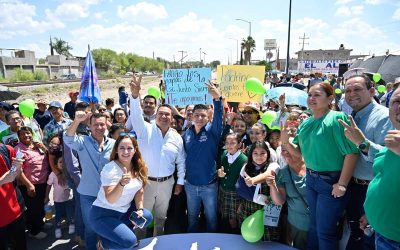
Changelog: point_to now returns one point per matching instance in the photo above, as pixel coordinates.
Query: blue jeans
(64, 208)
(383, 243)
(110, 225)
(90, 235)
(206, 194)
(325, 210)
(354, 211)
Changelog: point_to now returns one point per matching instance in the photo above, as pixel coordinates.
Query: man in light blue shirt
(369, 125)
(94, 152)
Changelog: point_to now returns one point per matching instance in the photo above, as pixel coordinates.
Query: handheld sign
(187, 86)
(232, 80)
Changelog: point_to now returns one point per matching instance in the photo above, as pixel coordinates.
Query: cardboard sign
(187, 86)
(232, 79)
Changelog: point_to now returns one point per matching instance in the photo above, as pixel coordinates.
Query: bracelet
(139, 209)
(121, 184)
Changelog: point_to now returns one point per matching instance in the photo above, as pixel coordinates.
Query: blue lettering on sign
(309, 66)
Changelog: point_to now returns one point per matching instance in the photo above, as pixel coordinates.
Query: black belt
(159, 179)
(361, 182)
(327, 175)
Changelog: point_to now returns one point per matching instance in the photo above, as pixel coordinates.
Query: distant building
(324, 61)
(55, 65)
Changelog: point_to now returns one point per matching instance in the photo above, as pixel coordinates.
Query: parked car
(68, 77)
(129, 74)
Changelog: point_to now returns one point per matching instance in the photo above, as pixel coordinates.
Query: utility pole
(174, 62)
(288, 40)
(302, 44)
(200, 57)
(204, 60)
(181, 51)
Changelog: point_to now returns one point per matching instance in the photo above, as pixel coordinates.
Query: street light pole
(237, 48)
(288, 40)
(238, 19)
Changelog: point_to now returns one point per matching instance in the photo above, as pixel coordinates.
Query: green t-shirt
(383, 200)
(298, 214)
(322, 142)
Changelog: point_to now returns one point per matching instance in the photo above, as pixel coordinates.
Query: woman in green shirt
(330, 160)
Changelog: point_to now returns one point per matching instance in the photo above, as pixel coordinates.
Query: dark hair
(250, 168)
(150, 96)
(367, 80)
(236, 136)
(164, 105)
(122, 88)
(24, 129)
(115, 111)
(56, 158)
(11, 112)
(273, 131)
(200, 106)
(139, 168)
(114, 128)
(81, 105)
(96, 116)
(109, 101)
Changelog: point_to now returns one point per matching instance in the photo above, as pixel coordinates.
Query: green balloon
(252, 228)
(268, 117)
(154, 91)
(326, 81)
(276, 128)
(376, 77)
(255, 86)
(338, 91)
(27, 108)
(151, 225)
(381, 88)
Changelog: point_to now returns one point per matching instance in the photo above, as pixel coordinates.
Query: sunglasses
(131, 134)
(247, 112)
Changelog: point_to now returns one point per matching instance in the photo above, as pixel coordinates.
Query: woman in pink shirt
(35, 171)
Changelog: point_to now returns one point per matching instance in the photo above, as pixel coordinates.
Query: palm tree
(61, 47)
(248, 46)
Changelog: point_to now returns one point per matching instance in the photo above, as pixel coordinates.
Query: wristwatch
(363, 145)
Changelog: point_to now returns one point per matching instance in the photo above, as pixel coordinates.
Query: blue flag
(90, 89)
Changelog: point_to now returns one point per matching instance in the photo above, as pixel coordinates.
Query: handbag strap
(297, 190)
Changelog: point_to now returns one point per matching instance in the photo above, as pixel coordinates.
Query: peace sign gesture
(213, 90)
(352, 132)
(135, 86)
(286, 132)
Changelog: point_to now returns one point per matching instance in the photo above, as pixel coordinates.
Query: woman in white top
(122, 181)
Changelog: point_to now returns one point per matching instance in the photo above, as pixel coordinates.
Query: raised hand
(221, 172)
(286, 132)
(352, 132)
(126, 177)
(81, 116)
(135, 85)
(214, 92)
(249, 181)
(229, 117)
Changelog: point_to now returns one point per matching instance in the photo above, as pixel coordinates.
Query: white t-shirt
(60, 193)
(110, 176)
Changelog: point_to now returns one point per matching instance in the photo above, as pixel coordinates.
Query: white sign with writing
(269, 44)
(322, 66)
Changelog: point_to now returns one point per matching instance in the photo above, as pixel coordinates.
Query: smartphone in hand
(19, 155)
(137, 220)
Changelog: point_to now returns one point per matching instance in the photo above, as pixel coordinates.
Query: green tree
(248, 46)
(61, 47)
(214, 64)
(267, 65)
(105, 59)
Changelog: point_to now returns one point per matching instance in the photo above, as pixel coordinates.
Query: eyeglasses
(102, 110)
(247, 112)
(131, 134)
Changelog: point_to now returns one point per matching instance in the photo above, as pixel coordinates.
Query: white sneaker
(39, 236)
(58, 233)
(71, 229)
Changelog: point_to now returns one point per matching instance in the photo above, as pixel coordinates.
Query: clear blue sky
(165, 27)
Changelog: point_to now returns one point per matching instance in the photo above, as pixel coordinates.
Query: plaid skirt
(228, 204)
(247, 208)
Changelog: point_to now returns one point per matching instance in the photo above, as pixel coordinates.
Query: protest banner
(232, 79)
(187, 86)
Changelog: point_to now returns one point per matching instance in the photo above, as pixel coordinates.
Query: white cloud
(339, 2)
(374, 2)
(99, 15)
(345, 11)
(396, 15)
(142, 11)
(71, 11)
(17, 18)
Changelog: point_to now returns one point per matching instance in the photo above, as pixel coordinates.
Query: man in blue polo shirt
(201, 144)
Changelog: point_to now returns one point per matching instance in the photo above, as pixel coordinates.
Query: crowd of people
(121, 173)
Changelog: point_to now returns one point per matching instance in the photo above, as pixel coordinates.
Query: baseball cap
(55, 104)
(41, 101)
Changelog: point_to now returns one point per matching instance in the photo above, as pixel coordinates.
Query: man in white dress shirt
(162, 149)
